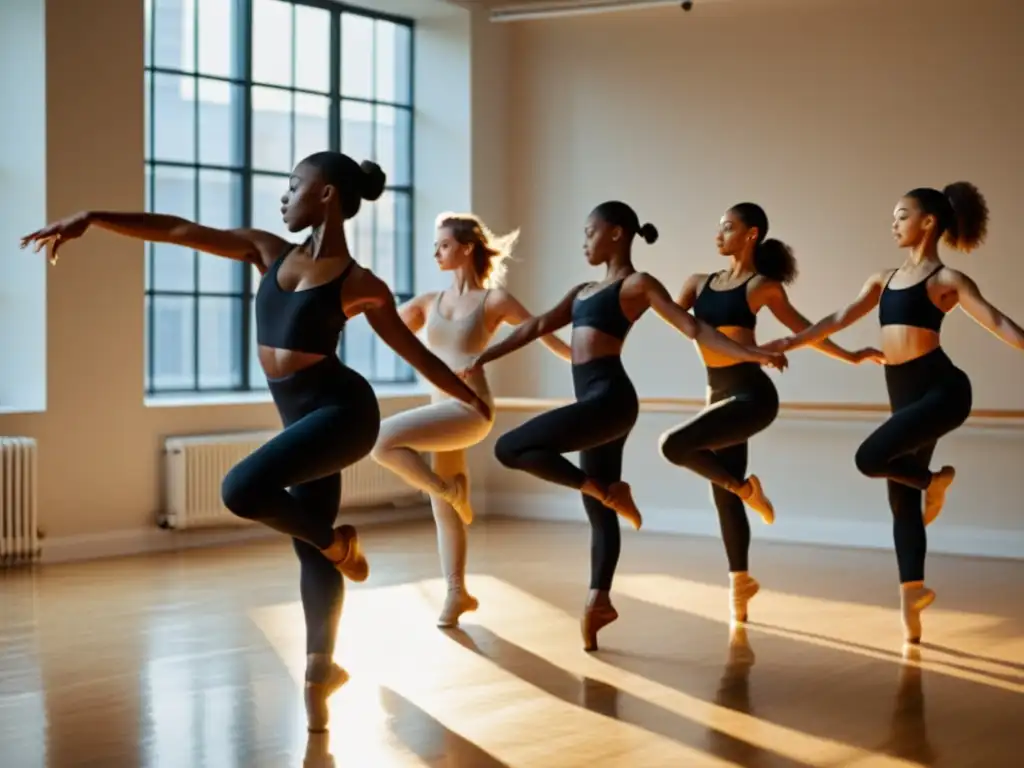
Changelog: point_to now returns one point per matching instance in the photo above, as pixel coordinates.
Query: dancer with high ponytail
(742, 400)
(459, 323)
(606, 408)
(330, 413)
(930, 397)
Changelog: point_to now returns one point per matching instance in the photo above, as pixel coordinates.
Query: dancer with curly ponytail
(459, 323)
(331, 418)
(742, 400)
(930, 397)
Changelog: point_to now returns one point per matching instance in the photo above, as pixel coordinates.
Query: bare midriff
(590, 344)
(280, 363)
(713, 359)
(902, 343)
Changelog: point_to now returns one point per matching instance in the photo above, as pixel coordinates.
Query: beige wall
(100, 444)
(823, 112)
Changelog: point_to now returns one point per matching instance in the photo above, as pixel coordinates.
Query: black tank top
(601, 310)
(910, 306)
(310, 320)
(724, 309)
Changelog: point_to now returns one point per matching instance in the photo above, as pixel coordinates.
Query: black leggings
(930, 397)
(742, 401)
(293, 482)
(597, 425)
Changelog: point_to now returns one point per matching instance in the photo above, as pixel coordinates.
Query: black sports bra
(601, 310)
(310, 320)
(910, 306)
(728, 308)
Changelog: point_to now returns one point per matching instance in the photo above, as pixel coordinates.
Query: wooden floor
(195, 659)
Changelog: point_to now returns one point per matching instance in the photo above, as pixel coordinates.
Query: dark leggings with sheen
(293, 482)
(930, 397)
(742, 401)
(597, 425)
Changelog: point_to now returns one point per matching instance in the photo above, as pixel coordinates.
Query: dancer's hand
(56, 234)
(778, 345)
(482, 408)
(471, 370)
(775, 360)
(869, 355)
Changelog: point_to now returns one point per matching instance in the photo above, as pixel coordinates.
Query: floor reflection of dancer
(929, 395)
(459, 324)
(599, 422)
(742, 400)
(293, 482)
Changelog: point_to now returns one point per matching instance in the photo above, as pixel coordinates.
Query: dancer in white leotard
(460, 323)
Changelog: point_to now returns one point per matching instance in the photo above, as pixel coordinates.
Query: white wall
(824, 113)
(100, 444)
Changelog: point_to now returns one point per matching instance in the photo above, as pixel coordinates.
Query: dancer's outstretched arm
(982, 312)
(557, 317)
(514, 313)
(777, 300)
(253, 246)
(673, 314)
(866, 300)
(383, 317)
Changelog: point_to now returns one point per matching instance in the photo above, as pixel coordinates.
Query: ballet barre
(981, 418)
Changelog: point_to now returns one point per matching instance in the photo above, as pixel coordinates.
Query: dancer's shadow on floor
(607, 700)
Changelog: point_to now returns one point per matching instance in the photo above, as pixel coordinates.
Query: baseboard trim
(943, 538)
(137, 541)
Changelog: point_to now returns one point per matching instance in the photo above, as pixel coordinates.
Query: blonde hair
(491, 253)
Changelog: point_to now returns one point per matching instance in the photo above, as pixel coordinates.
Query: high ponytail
(961, 212)
(772, 258)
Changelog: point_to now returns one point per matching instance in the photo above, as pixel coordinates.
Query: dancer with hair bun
(929, 396)
(459, 323)
(742, 400)
(606, 408)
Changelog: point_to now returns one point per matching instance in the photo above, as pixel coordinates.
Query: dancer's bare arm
(513, 312)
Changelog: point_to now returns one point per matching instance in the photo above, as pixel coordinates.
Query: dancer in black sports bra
(742, 400)
(930, 396)
(599, 422)
(330, 412)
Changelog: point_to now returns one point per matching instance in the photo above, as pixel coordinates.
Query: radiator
(19, 516)
(195, 466)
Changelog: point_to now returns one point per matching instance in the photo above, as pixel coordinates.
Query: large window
(237, 91)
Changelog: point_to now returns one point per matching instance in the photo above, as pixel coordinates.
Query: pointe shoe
(352, 563)
(935, 493)
(458, 497)
(619, 498)
(913, 600)
(596, 616)
(318, 690)
(756, 500)
(741, 591)
(457, 602)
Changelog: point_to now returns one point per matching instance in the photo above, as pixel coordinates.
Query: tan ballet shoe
(597, 615)
(347, 554)
(323, 678)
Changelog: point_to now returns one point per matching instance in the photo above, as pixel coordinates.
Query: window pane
(219, 348)
(173, 118)
(357, 130)
(147, 37)
(359, 233)
(312, 125)
(312, 48)
(266, 204)
(393, 74)
(173, 343)
(257, 379)
(388, 366)
(394, 140)
(356, 55)
(147, 115)
(220, 206)
(358, 346)
(384, 244)
(173, 194)
(220, 139)
(403, 243)
(173, 30)
(217, 33)
(271, 129)
(272, 42)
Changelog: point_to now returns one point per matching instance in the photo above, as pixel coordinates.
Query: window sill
(206, 399)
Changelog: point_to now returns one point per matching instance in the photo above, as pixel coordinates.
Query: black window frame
(241, 123)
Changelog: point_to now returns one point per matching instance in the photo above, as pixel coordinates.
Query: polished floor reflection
(195, 659)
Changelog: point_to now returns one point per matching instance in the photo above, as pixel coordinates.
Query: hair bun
(373, 181)
(649, 233)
